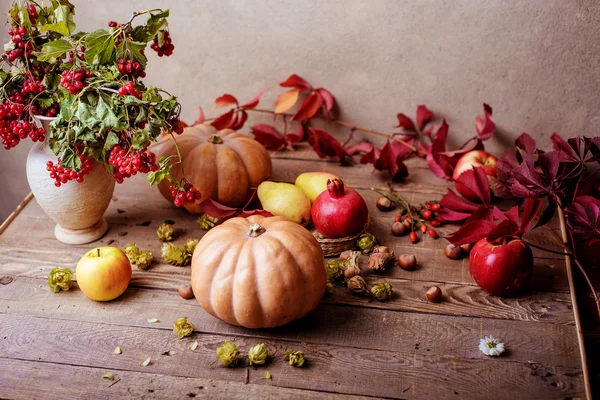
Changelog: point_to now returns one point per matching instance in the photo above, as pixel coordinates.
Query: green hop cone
(335, 269)
(228, 354)
(207, 222)
(165, 232)
(295, 358)
(182, 327)
(382, 291)
(258, 354)
(175, 255)
(366, 242)
(190, 246)
(329, 288)
(60, 279)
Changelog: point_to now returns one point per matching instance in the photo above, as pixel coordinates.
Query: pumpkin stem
(255, 230)
(215, 139)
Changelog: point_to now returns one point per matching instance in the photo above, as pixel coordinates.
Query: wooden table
(60, 345)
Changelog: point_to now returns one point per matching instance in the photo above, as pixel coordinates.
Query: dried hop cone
(258, 354)
(335, 269)
(175, 255)
(228, 354)
(207, 222)
(60, 279)
(353, 269)
(366, 242)
(182, 327)
(295, 358)
(378, 261)
(382, 291)
(329, 288)
(190, 245)
(357, 285)
(165, 232)
(141, 258)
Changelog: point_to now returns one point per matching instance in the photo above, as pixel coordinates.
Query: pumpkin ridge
(216, 262)
(244, 249)
(257, 285)
(232, 252)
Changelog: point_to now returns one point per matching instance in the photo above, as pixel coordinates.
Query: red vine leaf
(456, 208)
(224, 121)
(225, 101)
(268, 136)
(296, 82)
(326, 145)
(328, 99)
(423, 116)
(298, 136)
(438, 146)
(201, 118)
(360, 148)
(485, 126)
(390, 158)
(218, 210)
(238, 120)
(309, 107)
(471, 232)
(405, 122)
(254, 102)
(475, 180)
(526, 143)
(286, 100)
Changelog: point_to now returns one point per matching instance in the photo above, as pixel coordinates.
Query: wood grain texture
(75, 382)
(331, 323)
(389, 373)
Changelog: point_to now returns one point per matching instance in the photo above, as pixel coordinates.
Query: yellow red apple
(475, 158)
(313, 183)
(103, 273)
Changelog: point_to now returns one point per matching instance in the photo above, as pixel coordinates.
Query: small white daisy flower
(491, 346)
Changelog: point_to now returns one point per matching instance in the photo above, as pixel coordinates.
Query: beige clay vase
(77, 208)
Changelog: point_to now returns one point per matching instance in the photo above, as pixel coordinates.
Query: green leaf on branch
(51, 51)
(45, 101)
(85, 116)
(24, 17)
(156, 23)
(99, 47)
(129, 49)
(112, 139)
(70, 160)
(104, 113)
(140, 140)
(63, 15)
(59, 27)
(163, 172)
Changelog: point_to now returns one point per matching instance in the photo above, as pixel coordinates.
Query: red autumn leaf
(526, 143)
(449, 159)
(433, 155)
(268, 136)
(239, 120)
(455, 208)
(254, 102)
(476, 181)
(360, 148)
(561, 144)
(327, 97)
(296, 82)
(218, 210)
(326, 145)
(286, 100)
(405, 122)
(504, 229)
(224, 121)
(298, 136)
(390, 159)
(423, 116)
(583, 216)
(201, 118)
(471, 232)
(532, 207)
(225, 100)
(249, 213)
(371, 156)
(485, 126)
(309, 107)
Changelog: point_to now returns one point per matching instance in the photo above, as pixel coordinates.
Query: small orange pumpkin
(222, 165)
(259, 272)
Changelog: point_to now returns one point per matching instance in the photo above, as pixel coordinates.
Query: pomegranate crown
(335, 187)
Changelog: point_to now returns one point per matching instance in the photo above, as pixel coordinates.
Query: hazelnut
(381, 249)
(399, 229)
(186, 291)
(453, 252)
(384, 204)
(407, 262)
(434, 294)
(378, 261)
(467, 247)
(345, 255)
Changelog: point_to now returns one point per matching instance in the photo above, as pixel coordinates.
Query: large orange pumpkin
(259, 272)
(222, 165)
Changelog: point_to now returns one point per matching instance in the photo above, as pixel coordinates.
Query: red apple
(501, 269)
(475, 158)
(103, 273)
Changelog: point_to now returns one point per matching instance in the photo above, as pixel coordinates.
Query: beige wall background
(537, 62)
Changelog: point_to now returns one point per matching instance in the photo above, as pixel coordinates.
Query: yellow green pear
(313, 183)
(286, 200)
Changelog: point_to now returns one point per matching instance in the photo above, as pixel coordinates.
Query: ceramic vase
(77, 208)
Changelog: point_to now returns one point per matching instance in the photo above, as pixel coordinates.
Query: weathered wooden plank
(331, 323)
(40, 380)
(390, 373)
